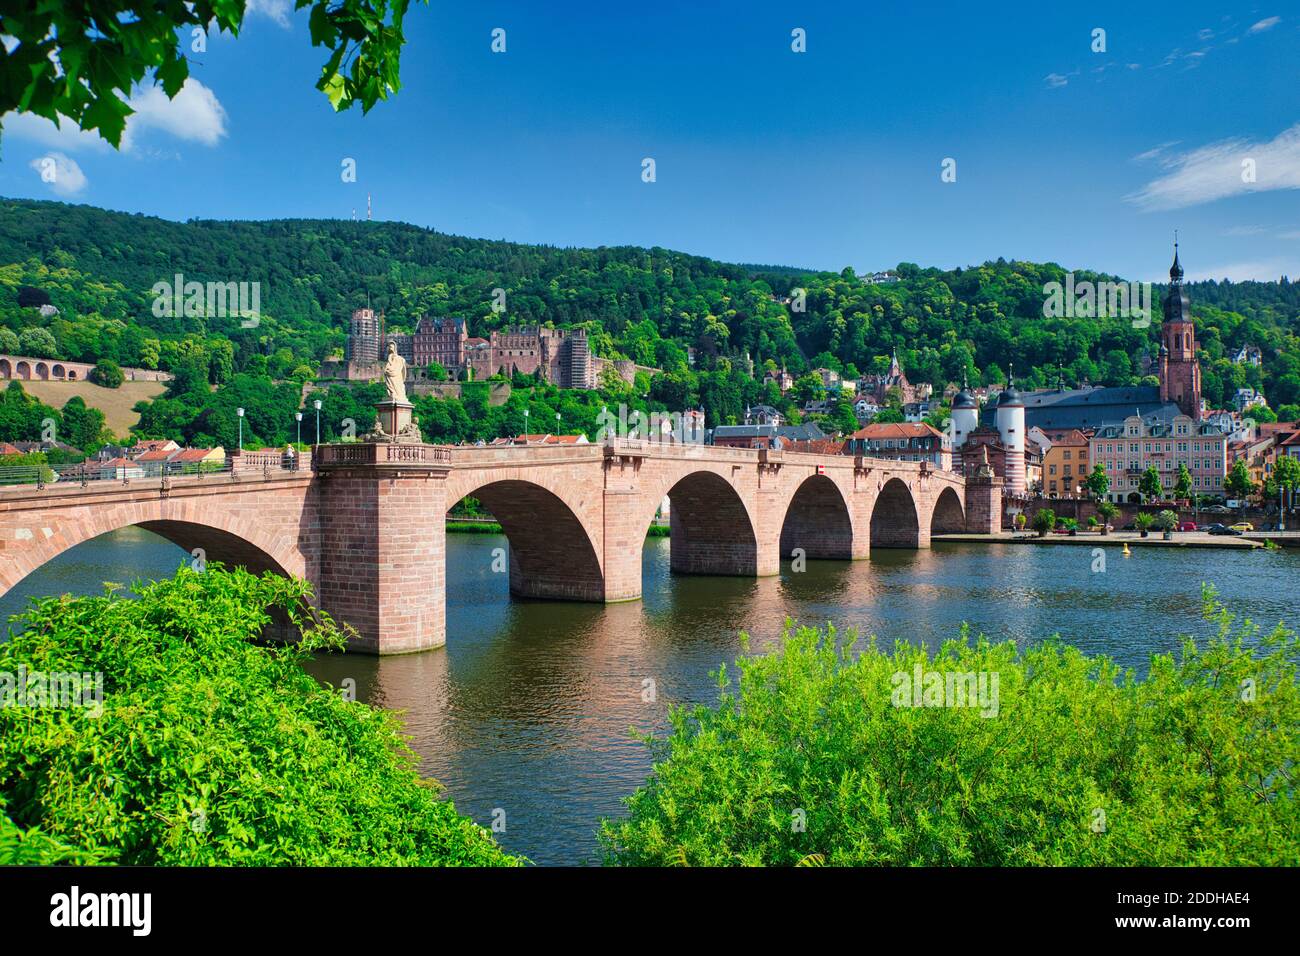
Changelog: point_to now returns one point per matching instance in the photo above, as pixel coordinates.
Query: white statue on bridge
(395, 375)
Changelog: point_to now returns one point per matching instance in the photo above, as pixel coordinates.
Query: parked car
(1222, 529)
(1243, 526)
(1187, 526)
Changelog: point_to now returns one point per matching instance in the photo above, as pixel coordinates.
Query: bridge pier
(383, 543)
(984, 504)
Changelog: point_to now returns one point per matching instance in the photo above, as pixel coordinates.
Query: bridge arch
(818, 521)
(42, 370)
(23, 370)
(895, 522)
(35, 539)
(711, 531)
(6, 368)
(552, 555)
(948, 516)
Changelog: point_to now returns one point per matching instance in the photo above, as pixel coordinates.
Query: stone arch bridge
(366, 526)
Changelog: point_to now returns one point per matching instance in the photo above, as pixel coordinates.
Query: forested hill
(98, 268)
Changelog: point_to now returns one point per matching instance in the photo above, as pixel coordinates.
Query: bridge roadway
(366, 525)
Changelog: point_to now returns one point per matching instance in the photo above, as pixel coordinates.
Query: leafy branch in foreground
(82, 61)
(208, 746)
(812, 758)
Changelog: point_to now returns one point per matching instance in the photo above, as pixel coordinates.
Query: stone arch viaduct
(366, 526)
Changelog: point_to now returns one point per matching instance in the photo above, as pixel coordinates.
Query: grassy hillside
(116, 403)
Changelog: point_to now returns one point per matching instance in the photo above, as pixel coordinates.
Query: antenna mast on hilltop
(367, 207)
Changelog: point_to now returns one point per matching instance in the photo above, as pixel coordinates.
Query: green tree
(1286, 473)
(1044, 521)
(83, 427)
(1097, 482)
(1237, 484)
(1109, 511)
(38, 343)
(82, 62)
(107, 373)
(1149, 484)
(243, 759)
(1183, 487)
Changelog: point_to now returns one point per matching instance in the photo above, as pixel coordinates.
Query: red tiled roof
(192, 454)
(156, 454)
(898, 430)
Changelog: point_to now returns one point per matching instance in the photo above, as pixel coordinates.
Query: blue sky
(821, 159)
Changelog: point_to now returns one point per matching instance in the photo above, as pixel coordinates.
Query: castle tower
(365, 332)
(1011, 429)
(1179, 372)
(965, 415)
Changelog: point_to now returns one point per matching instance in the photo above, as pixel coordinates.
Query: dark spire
(1178, 308)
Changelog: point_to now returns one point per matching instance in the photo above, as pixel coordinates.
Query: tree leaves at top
(81, 61)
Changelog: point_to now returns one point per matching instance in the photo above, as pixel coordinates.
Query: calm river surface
(528, 708)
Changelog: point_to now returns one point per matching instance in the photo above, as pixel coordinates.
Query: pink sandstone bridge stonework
(367, 525)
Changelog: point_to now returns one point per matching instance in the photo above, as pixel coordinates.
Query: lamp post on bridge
(317, 404)
(240, 413)
(298, 416)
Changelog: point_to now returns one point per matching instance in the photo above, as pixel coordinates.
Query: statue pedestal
(394, 423)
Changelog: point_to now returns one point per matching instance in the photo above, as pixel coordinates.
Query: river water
(525, 716)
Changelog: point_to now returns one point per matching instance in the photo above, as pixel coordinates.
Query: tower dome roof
(963, 399)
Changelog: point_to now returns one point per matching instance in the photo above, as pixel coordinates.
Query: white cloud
(194, 114)
(1056, 79)
(1294, 234)
(1243, 230)
(1216, 172)
(64, 136)
(1266, 24)
(277, 10)
(60, 173)
(1263, 270)
(1155, 151)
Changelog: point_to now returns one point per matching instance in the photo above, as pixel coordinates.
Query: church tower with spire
(1180, 373)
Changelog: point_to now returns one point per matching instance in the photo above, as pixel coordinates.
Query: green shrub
(808, 759)
(1044, 520)
(209, 747)
(107, 373)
